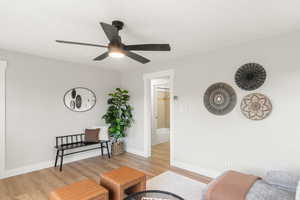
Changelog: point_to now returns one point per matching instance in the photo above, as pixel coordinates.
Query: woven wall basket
(220, 99)
(256, 106)
(250, 76)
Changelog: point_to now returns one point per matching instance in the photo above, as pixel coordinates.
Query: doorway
(3, 65)
(158, 115)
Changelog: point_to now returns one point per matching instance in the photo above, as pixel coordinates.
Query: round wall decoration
(79, 99)
(220, 98)
(256, 106)
(250, 76)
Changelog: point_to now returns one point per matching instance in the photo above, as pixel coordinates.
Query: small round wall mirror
(80, 99)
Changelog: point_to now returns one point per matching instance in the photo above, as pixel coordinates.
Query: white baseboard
(47, 164)
(136, 151)
(196, 169)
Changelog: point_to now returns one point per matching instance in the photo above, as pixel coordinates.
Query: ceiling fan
(117, 49)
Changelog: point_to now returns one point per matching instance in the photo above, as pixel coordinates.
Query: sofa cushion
(298, 191)
(261, 190)
(282, 180)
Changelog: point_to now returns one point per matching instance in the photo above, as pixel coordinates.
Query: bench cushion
(75, 145)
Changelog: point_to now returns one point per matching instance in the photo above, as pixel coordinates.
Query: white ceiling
(190, 26)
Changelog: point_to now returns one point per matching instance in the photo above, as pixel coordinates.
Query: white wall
(210, 144)
(3, 65)
(35, 112)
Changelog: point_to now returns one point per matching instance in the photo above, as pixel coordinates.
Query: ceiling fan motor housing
(118, 24)
(115, 46)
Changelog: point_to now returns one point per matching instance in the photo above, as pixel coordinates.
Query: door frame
(148, 110)
(3, 65)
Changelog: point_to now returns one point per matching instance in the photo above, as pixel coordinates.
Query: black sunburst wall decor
(220, 99)
(250, 76)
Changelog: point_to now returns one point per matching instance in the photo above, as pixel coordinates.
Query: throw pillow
(104, 136)
(92, 135)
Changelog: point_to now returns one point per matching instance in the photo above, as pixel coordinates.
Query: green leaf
(119, 113)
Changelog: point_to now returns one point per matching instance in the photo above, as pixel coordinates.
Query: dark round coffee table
(153, 195)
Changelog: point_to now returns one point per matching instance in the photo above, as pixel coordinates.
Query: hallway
(161, 152)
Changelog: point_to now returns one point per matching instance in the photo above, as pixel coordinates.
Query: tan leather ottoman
(121, 179)
(82, 190)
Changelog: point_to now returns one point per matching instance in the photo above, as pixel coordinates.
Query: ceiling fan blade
(80, 43)
(110, 31)
(101, 57)
(137, 57)
(148, 47)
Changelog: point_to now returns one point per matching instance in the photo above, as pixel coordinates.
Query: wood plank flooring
(161, 152)
(38, 184)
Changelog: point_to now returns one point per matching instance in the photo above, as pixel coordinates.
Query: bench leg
(61, 160)
(107, 147)
(56, 158)
(101, 146)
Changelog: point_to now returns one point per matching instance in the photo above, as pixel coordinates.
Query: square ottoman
(81, 190)
(123, 179)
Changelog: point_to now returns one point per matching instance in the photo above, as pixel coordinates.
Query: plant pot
(117, 148)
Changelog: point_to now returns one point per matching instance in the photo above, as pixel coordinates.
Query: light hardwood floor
(161, 152)
(38, 184)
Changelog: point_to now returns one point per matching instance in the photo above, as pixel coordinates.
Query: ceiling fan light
(115, 51)
(115, 54)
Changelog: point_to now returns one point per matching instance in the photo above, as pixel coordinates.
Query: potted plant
(119, 117)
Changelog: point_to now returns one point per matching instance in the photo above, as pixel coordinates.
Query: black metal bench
(69, 142)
